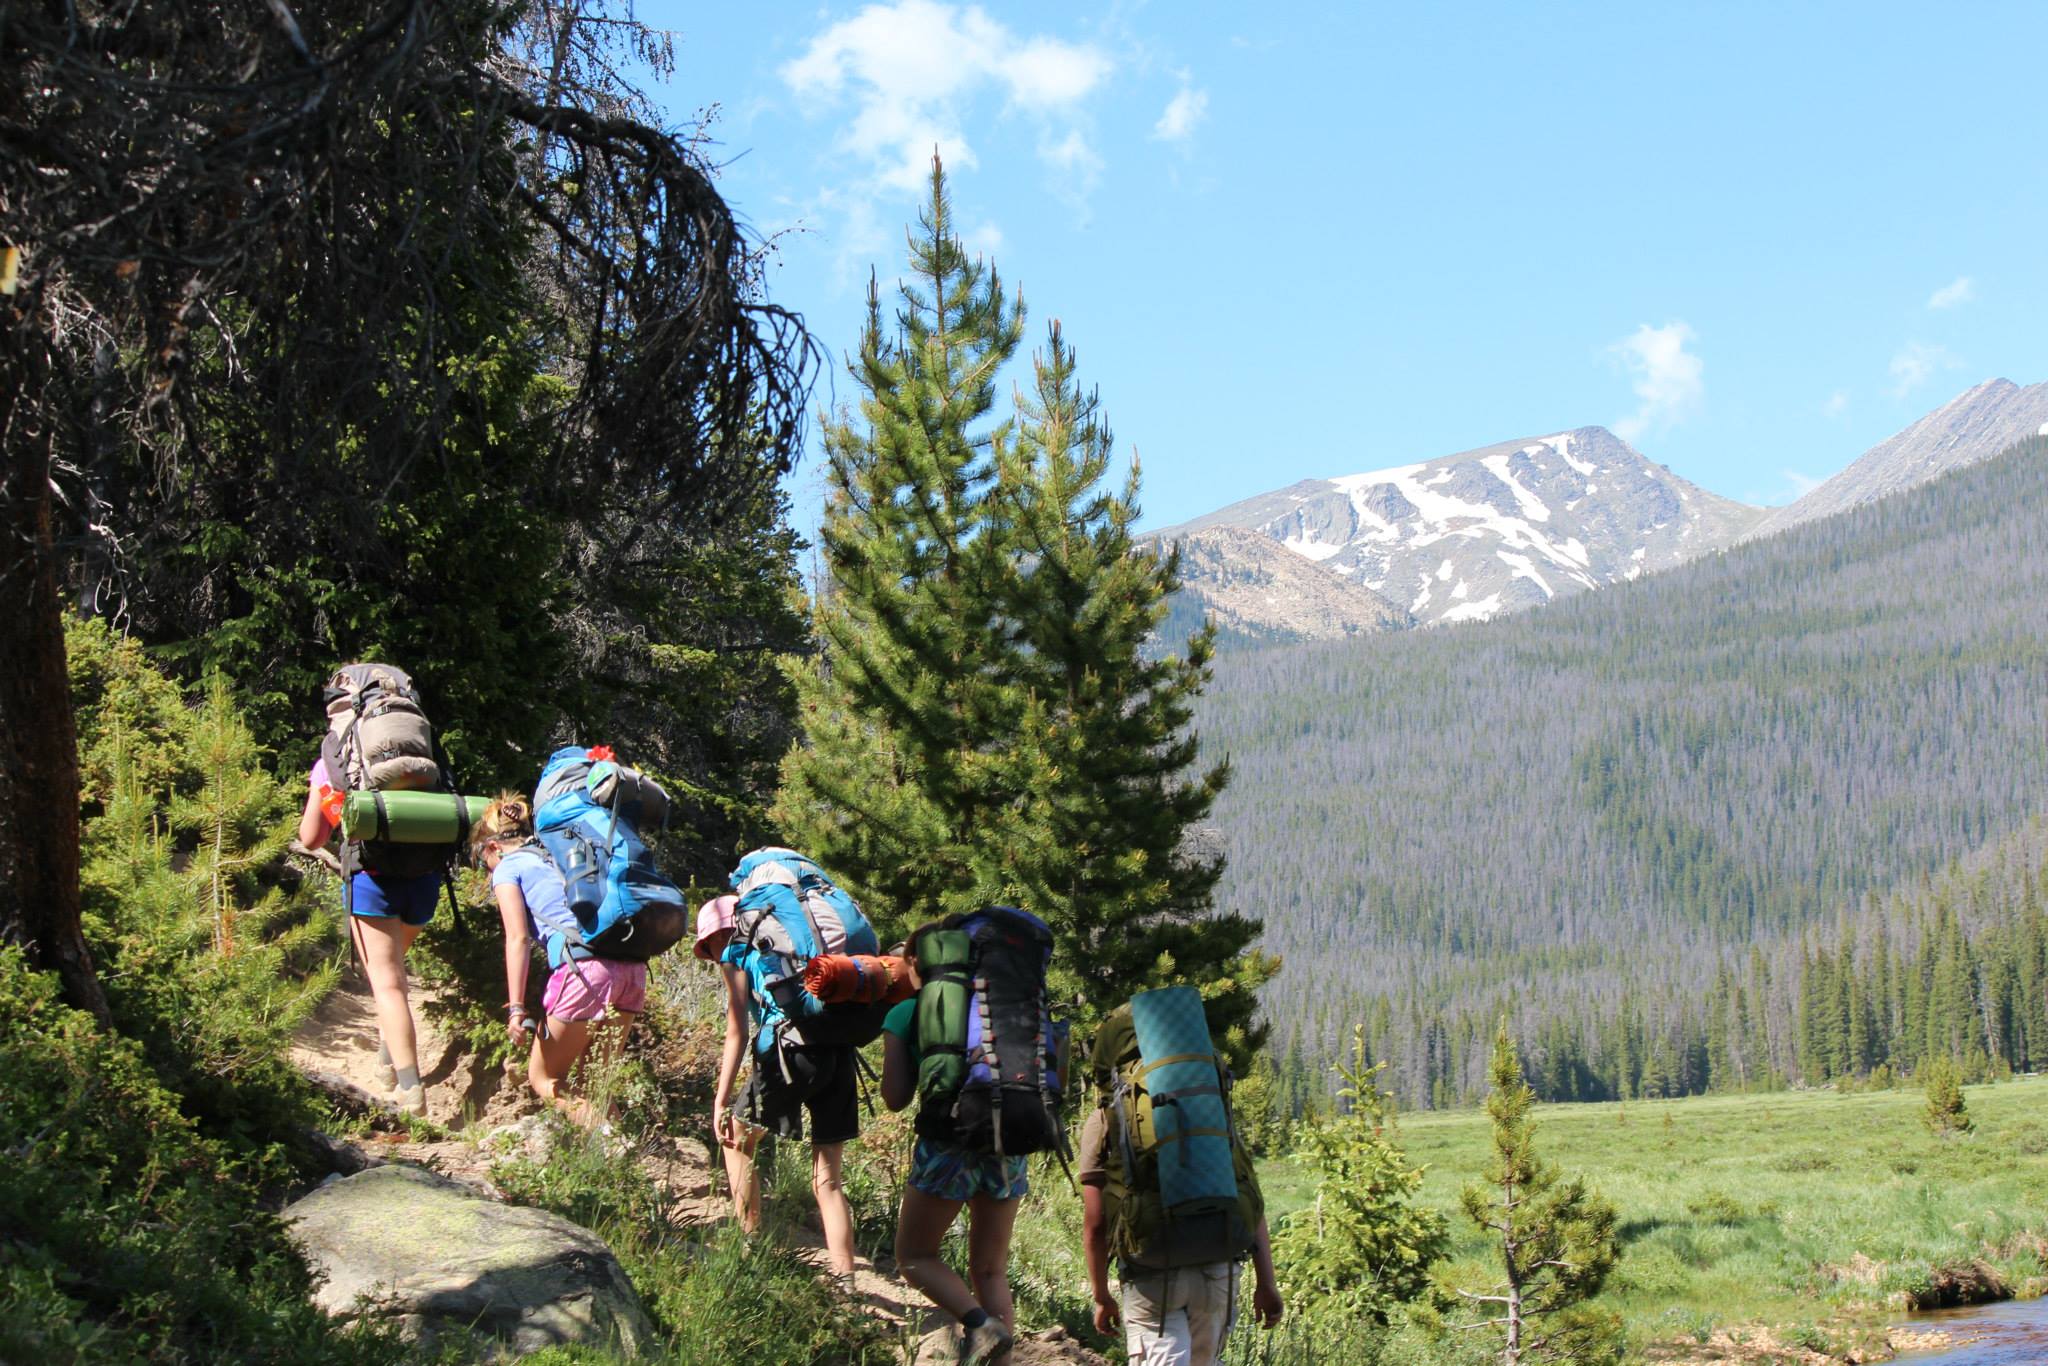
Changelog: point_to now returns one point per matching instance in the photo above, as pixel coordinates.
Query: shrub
(128, 1235)
(1946, 1113)
(1362, 1248)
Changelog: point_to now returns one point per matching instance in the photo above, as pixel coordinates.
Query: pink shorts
(590, 988)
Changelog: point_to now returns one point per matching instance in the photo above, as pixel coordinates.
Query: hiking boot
(411, 1099)
(990, 1342)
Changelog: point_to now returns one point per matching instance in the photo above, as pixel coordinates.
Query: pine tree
(1556, 1237)
(1363, 1248)
(211, 963)
(1114, 790)
(1946, 1112)
(985, 724)
(897, 782)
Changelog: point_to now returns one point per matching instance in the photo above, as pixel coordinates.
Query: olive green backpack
(1180, 1188)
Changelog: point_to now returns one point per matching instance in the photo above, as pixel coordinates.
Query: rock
(402, 1244)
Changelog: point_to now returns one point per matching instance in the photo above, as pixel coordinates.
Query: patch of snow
(1532, 506)
(1473, 611)
(1575, 551)
(2043, 431)
(1639, 552)
(1443, 571)
(1310, 548)
(1591, 489)
(1523, 569)
(1461, 591)
(1421, 600)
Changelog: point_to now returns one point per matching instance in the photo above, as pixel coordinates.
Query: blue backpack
(587, 813)
(789, 913)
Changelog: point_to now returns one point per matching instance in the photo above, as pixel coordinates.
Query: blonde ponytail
(508, 819)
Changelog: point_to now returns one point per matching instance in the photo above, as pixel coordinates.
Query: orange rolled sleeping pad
(861, 979)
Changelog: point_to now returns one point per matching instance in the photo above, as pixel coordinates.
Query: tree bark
(39, 894)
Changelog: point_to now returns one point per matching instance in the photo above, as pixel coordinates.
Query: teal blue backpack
(588, 811)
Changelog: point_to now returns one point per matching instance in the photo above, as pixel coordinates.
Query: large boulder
(398, 1243)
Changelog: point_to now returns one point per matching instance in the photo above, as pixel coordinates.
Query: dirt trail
(684, 1171)
(489, 1112)
(339, 1043)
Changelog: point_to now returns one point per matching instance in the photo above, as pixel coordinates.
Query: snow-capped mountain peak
(1467, 536)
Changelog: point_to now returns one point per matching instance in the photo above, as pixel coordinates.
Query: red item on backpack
(863, 979)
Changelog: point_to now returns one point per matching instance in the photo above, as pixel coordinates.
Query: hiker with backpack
(1168, 1188)
(978, 1050)
(378, 749)
(784, 914)
(589, 1001)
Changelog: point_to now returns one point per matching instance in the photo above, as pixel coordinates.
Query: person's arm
(518, 957)
(899, 1078)
(1095, 1249)
(1267, 1306)
(313, 827)
(735, 1049)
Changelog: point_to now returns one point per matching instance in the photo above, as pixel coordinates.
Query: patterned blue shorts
(949, 1173)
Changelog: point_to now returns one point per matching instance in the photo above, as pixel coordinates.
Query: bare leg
(920, 1227)
(744, 1177)
(547, 1069)
(381, 942)
(990, 1222)
(834, 1214)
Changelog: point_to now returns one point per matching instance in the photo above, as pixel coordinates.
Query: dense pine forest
(1653, 824)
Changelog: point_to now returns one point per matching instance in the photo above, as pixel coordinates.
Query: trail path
(488, 1112)
(339, 1043)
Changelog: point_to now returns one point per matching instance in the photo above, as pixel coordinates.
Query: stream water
(2014, 1333)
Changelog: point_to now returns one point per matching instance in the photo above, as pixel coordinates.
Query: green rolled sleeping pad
(943, 960)
(410, 817)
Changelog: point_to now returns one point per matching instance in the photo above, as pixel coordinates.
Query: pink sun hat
(713, 916)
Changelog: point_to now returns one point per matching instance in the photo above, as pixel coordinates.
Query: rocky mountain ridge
(1469, 536)
(1974, 425)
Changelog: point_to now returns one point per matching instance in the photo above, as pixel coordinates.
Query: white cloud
(1076, 161)
(1792, 486)
(1837, 404)
(1184, 113)
(1667, 379)
(1802, 484)
(1916, 363)
(912, 68)
(1958, 291)
(985, 240)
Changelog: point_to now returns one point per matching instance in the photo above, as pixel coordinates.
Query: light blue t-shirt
(761, 1008)
(547, 900)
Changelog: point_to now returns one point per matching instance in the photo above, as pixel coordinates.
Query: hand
(520, 1027)
(1106, 1315)
(1267, 1307)
(726, 1126)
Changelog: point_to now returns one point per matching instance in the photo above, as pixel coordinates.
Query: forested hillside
(1586, 814)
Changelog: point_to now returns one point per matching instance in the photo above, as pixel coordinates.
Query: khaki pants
(1180, 1317)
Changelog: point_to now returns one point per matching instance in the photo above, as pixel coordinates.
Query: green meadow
(1818, 1214)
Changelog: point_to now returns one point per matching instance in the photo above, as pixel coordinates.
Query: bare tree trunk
(39, 897)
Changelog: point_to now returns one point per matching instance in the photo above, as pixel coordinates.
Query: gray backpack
(379, 740)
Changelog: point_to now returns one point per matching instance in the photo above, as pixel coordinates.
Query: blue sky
(1293, 241)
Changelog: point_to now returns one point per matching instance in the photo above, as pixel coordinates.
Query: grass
(1823, 1215)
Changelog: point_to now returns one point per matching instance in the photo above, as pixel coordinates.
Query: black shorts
(820, 1080)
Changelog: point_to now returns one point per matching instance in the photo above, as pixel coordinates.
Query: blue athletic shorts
(949, 1173)
(411, 900)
